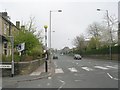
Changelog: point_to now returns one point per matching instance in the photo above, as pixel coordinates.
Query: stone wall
(22, 68)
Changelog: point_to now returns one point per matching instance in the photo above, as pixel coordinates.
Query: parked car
(55, 56)
(77, 57)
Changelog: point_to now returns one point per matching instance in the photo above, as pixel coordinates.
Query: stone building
(7, 29)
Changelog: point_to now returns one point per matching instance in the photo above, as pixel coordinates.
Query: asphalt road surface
(85, 73)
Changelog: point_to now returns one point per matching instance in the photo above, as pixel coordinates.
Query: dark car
(55, 56)
(77, 57)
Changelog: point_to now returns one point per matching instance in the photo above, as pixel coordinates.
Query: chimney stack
(18, 24)
(5, 15)
(23, 28)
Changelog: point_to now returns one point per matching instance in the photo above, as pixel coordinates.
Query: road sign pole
(12, 42)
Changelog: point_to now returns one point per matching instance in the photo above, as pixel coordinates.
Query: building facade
(7, 29)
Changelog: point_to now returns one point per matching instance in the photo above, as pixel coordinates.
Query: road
(85, 73)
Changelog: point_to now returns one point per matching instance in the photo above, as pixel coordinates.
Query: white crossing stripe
(87, 69)
(100, 67)
(59, 70)
(114, 67)
(72, 69)
(35, 73)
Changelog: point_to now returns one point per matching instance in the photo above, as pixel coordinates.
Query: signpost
(12, 42)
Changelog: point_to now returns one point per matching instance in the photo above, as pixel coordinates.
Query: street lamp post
(50, 28)
(110, 47)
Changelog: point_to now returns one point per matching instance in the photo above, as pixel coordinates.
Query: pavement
(39, 73)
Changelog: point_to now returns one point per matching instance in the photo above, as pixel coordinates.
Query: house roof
(6, 18)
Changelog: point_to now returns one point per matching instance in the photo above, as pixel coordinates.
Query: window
(5, 52)
(5, 48)
(5, 28)
(5, 45)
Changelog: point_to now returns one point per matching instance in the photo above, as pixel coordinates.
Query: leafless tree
(79, 42)
(111, 23)
(30, 26)
(95, 30)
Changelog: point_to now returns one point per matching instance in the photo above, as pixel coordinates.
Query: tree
(31, 42)
(94, 43)
(79, 42)
(30, 26)
(111, 24)
(95, 30)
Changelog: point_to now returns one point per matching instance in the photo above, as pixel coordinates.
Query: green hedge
(103, 50)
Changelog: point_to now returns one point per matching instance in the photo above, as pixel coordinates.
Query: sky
(74, 19)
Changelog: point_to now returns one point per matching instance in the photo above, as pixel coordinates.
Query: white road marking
(77, 80)
(87, 69)
(63, 83)
(49, 77)
(35, 73)
(109, 75)
(72, 69)
(100, 67)
(114, 67)
(59, 70)
(112, 77)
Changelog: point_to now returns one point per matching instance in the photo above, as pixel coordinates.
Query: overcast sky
(74, 19)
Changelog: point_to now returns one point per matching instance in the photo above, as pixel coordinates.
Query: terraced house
(7, 29)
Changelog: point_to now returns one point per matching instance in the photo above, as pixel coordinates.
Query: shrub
(6, 58)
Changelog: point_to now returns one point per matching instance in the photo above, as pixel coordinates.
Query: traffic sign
(21, 47)
(5, 66)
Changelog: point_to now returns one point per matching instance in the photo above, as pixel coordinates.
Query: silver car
(77, 57)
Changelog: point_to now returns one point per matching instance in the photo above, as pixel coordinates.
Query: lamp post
(46, 55)
(50, 28)
(110, 48)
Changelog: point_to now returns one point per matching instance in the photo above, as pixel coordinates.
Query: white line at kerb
(109, 75)
(112, 77)
(63, 83)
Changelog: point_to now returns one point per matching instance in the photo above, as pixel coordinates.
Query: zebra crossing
(74, 70)
(85, 68)
(35, 74)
